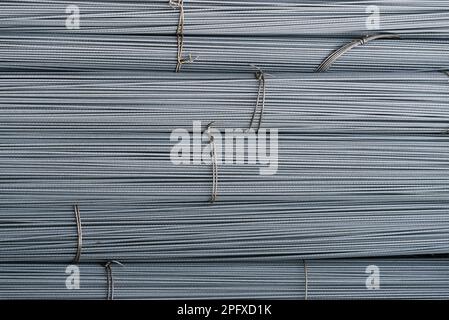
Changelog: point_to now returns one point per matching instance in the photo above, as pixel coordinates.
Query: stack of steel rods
(413, 17)
(309, 279)
(221, 232)
(215, 54)
(85, 104)
(107, 158)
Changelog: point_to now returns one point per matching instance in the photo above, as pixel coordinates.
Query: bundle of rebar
(249, 17)
(112, 167)
(67, 104)
(222, 232)
(309, 279)
(216, 54)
